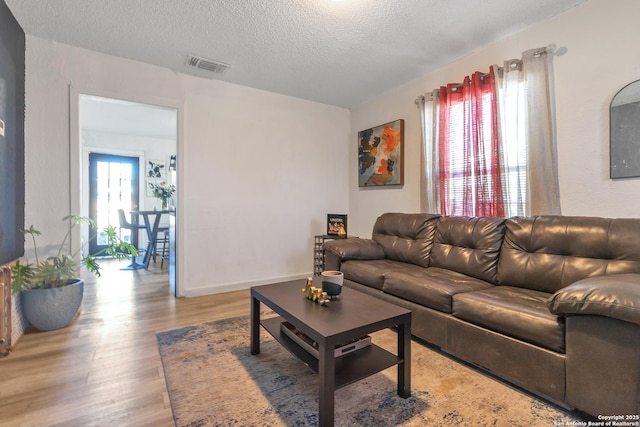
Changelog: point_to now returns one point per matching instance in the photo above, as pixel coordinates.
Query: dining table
(151, 221)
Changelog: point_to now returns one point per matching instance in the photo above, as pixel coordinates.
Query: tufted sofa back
(468, 245)
(547, 253)
(406, 237)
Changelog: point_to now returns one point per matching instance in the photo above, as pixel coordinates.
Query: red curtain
(469, 162)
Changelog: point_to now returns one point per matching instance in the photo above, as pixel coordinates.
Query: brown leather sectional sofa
(550, 303)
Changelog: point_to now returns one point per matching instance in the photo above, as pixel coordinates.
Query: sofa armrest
(615, 296)
(361, 249)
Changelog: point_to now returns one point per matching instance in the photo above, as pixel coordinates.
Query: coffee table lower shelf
(349, 368)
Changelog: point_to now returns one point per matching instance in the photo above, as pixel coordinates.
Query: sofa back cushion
(547, 253)
(468, 245)
(406, 237)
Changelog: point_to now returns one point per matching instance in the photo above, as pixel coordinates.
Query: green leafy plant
(162, 191)
(57, 270)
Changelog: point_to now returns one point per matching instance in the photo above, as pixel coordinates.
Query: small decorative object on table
(163, 191)
(315, 294)
(332, 282)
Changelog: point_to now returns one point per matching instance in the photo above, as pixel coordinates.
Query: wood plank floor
(104, 369)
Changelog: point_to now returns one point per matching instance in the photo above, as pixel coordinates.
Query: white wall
(603, 55)
(258, 171)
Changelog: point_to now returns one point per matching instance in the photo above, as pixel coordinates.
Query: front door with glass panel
(113, 185)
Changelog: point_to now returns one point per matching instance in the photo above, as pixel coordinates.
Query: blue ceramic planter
(50, 309)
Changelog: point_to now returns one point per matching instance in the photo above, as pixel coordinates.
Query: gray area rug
(213, 380)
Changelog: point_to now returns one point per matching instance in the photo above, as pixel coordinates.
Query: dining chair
(159, 240)
(164, 255)
(124, 223)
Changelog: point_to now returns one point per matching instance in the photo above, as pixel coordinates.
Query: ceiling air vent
(207, 64)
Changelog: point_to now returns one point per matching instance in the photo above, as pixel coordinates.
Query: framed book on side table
(337, 225)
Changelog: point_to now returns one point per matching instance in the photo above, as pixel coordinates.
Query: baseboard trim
(238, 286)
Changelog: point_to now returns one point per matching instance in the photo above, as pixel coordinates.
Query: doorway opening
(127, 148)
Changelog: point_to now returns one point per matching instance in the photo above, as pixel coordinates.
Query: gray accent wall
(12, 183)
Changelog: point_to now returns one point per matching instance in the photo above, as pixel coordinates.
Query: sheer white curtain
(430, 194)
(527, 138)
(510, 87)
(543, 195)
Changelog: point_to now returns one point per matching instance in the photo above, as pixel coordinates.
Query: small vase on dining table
(164, 205)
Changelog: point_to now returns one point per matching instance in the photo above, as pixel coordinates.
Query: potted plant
(50, 291)
(163, 191)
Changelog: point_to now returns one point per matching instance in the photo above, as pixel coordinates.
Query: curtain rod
(549, 49)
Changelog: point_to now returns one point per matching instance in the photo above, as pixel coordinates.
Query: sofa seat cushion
(517, 312)
(431, 287)
(372, 273)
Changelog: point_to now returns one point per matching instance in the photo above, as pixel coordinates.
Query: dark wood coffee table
(351, 316)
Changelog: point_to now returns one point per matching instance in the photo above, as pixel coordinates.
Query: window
(489, 142)
(113, 185)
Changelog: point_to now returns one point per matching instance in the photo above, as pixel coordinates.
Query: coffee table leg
(327, 378)
(404, 353)
(255, 326)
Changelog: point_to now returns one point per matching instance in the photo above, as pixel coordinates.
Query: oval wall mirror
(624, 124)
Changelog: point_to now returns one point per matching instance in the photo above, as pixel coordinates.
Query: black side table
(318, 252)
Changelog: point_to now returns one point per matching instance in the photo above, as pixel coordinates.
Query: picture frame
(337, 225)
(381, 155)
(156, 169)
(624, 133)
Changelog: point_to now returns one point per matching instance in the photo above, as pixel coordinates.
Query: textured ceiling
(334, 52)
